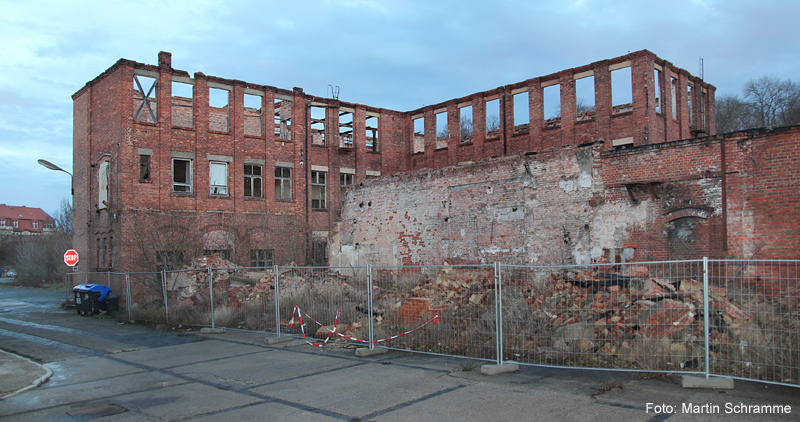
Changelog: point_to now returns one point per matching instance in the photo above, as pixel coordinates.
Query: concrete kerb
(495, 369)
(716, 383)
(277, 340)
(17, 362)
(209, 330)
(364, 352)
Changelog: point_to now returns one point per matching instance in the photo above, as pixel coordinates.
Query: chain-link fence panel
(244, 298)
(447, 310)
(754, 318)
(145, 294)
(643, 316)
(313, 300)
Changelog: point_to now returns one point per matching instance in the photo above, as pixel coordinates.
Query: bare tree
(733, 113)
(466, 129)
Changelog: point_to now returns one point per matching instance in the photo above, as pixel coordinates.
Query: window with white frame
(283, 183)
(218, 177)
(35, 224)
(181, 175)
(318, 190)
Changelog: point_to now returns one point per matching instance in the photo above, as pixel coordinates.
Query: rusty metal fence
(729, 318)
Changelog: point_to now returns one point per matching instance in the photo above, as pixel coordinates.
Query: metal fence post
(211, 294)
(128, 299)
(706, 310)
(108, 278)
(369, 304)
(277, 302)
(498, 313)
(164, 290)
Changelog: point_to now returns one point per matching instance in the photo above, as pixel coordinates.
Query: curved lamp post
(52, 166)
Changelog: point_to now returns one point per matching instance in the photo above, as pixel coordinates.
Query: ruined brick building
(555, 169)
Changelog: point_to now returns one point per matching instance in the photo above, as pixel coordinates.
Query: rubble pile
(619, 319)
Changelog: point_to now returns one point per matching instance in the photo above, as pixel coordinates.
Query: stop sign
(71, 257)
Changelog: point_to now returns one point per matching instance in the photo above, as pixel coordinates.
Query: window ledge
(145, 181)
(220, 132)
(219, 197)
(145, 123)
(254, 198)
(186, 128)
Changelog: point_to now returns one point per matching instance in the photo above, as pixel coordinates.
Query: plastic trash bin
(110, 304)
(89, 298)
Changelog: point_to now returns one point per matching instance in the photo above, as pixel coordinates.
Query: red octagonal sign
(71, 257)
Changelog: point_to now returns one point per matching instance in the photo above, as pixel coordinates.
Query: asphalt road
(107, 370)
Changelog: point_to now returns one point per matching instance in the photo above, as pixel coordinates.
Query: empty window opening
(218, 178)
(466, 123)
(218, 110)
(673, 88)
(689, 93)
(262, 258)
(702, 99)
(345, 181)
(144, 167)
(182, 104)
(584, 98)
(102, 179)
(621, 90)
(318, 190)
(144, 99)
(522, 115)
(252, 181)
(345, 128)
(283, 183)
(418, 140)
(493, 118)
(371, 125)
(442, 133)
(181, 175)
(551, 99)
(657, 90)
(253, 116)
(317, 125)
(283, 118)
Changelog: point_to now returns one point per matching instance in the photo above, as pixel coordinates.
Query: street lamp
(52, 166)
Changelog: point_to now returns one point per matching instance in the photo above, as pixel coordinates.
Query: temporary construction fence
(729, 318)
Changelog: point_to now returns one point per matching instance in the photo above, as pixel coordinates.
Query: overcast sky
(394, 54)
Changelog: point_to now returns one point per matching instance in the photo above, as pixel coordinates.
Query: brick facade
(159, 174)
(733, 195)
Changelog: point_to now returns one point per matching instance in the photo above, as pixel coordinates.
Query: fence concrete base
(494, 369)
(277, 340)
(716, 383)
(208, 330)
(364, 352)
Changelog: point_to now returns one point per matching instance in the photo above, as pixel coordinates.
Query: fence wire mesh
(738, 319)
(625, 316)
(461, 298)
(755, 320)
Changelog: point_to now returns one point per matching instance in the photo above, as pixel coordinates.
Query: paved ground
(105, 370)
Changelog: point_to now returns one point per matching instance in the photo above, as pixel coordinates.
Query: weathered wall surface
(544, 210)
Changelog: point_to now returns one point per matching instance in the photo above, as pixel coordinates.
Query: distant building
(24, 221)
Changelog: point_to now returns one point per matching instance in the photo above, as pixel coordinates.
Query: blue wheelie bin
(89, 298)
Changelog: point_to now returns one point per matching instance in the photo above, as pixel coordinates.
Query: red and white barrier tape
(297, 311)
